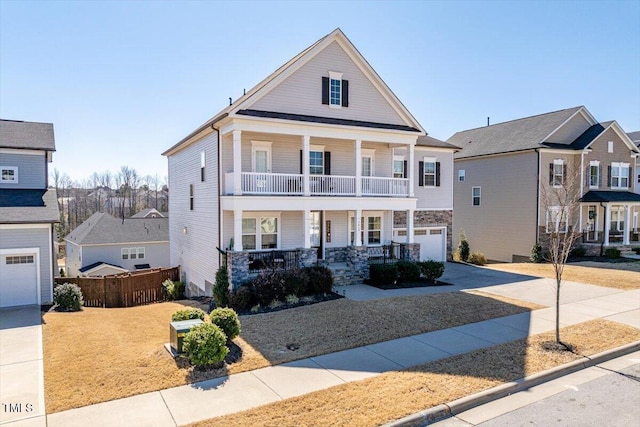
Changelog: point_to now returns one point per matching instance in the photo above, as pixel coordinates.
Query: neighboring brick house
(319, 162)
(503, 168)
(28, 212)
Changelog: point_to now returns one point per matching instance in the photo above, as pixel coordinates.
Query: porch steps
(343, 274)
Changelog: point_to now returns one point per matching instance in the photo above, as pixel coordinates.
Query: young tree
(560, 205)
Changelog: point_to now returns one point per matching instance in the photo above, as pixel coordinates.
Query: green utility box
(177, 331)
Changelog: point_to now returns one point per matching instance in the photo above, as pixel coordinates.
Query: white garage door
(432, 243)
(18, 279)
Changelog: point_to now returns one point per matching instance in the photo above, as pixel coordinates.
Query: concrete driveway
(21, 370)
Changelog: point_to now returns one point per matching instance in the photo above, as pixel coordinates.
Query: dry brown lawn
(613, 275)
(393, 395)
(103, 354)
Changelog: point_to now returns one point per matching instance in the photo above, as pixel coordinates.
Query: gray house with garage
(28, 213)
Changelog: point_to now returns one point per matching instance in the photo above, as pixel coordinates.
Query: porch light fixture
(184, 230)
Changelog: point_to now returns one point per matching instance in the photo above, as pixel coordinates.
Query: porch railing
(260, 261)
(386, 254)
(319, 185)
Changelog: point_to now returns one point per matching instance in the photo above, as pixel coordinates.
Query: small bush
(173, 290)
(383, 274)
(187, 314)
(536, 254)
(227, 320)
(431, 270)
(612, 253)
(68, 296)
(242, 298)
(292, 299)
(408, 271)
(221, 288)
(456, 255)
(205, 345)
(578, 252)
(463, 247)
(320, 280)
(477, 258)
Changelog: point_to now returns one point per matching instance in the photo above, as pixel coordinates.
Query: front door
(316, 232)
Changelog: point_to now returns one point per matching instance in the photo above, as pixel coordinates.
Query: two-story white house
(28, 212)
(319, 162)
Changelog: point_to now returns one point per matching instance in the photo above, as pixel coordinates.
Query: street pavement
(604, 395)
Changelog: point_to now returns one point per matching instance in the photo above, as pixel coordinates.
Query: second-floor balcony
(256, 183)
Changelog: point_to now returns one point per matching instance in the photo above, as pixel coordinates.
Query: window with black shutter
(335, 90)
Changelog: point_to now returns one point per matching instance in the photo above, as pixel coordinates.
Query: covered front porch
(610, 218)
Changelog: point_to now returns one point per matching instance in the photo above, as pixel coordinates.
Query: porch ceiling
(611, 196)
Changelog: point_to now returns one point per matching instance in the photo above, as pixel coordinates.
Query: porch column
(410, 237)
(607, 223)
(306, 223)
(410, 168)
(357, 239)
(358, 168)
(237, 162)
(237, 230)
(305, 166)
(627, 225)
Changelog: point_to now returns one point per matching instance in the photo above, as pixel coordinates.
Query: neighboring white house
(105, 245)
(28, 211)
(319, 162)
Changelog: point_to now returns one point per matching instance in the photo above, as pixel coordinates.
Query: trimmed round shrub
(320, 280)
(383, 274)
(612, 253)
(431, 270)
(477, 258)
(578, 252)
(227, 320)
(188, 314)
(221, 288)
(68, 297)
(408, 271)
(536, 254)
(205, 345)
(242, 298)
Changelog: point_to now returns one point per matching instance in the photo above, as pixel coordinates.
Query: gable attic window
(9, 175)
(335, 90)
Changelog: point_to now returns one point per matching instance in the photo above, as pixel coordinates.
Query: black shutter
(600, 175)
(404, 168)
(588, 176)
(630, 176)
(550, 173)
(437, 174)
(301, 163)
(325, 90)
(609, 176)
(564, 173)
(345, 93)
(421, 174)
(327, 163)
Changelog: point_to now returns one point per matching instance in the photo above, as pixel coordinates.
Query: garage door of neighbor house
(432, 243)
(18, 279)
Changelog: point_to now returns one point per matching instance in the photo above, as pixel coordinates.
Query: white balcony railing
(319, 185)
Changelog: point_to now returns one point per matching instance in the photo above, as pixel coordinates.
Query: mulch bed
(418, 284)
(304, 301)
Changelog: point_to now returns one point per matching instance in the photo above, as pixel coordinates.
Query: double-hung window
(316, 162)
(475, 196)
(594, 174)
(557, 219)
(619, 175)
(429, 172)
(617, 219)
(558, 173)
(370, 229)
(259, 233)
(8, 174)
(398, 167)
(132, 253)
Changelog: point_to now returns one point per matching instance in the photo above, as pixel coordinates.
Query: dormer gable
(571, 128)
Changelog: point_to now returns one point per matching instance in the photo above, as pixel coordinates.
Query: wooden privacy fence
(123, 290)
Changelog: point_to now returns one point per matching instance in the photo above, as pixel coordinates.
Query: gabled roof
(95, 265)
(26, 135)
(259, 90)
(427, 141)
(610, 196)
(146, 213)
(20, 206)
(515, 135)
(102, 228)
(584, 140)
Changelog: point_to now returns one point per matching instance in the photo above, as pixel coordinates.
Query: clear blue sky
(123, 81)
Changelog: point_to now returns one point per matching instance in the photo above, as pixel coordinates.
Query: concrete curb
(442, 411)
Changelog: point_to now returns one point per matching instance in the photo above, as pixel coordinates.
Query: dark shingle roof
(27, 135)
(324, 120)
(102, 228)
(427, 141)
(583, 140)
(610, 196)
(96, 264)
(28, 206)
(515, 135)
(635, 137)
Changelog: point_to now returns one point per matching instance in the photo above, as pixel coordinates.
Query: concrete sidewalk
(21, 371)
(208, 399)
